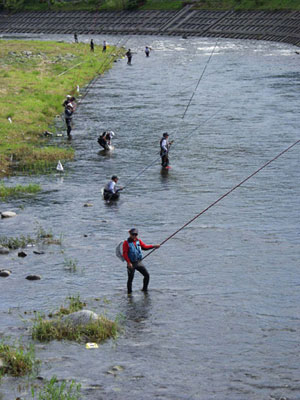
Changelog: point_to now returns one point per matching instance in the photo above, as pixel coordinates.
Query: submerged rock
(38, 252)
(8, 214)
(4, 273)
(33, 277)
(88, 205)
(22, 254)
(3, 250)
(83, 317)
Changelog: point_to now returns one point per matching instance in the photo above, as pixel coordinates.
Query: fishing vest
(162, 151)
(135, 252)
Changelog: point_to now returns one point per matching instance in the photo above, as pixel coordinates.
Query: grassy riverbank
(93, 5)
(34, 79)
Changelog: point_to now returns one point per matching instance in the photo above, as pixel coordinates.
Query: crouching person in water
(132, 252)
(104, 139)
(110, 191)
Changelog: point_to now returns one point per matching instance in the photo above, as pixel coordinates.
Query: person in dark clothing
(105, 139)
(132, 253)
(147, 51)
(92, 45)
(68, 118)
(104, 46)
(75, 37)
(129, 56)
(164, 150)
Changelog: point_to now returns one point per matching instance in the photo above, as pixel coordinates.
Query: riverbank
(279, 26)
(34, 78)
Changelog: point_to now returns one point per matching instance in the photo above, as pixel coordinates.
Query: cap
(114, 177)
(165, 134)
(68, 96)
(133, 230)
(112, 133)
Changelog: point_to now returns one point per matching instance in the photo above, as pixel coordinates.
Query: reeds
(18, 190)
(16, 360)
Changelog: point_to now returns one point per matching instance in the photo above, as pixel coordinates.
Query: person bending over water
(110, 191)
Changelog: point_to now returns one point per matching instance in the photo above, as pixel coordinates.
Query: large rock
(4, 273)
(33, 277)
(83, 317)
(8, 214)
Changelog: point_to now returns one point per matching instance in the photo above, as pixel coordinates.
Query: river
(221, 319)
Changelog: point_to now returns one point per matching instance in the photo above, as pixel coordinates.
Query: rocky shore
(279, 26)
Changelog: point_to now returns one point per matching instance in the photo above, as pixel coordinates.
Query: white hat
(68, 96)
(112, 133)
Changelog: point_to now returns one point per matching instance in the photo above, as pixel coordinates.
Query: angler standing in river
(132, 253)
(164, 150)
(129, 56)
(68, 118)
(110, 191)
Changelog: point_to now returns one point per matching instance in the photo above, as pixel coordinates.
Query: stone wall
(279, 26)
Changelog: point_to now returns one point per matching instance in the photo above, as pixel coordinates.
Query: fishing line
(157, 158)
(224, 195)
(185, 111)
(199, 80)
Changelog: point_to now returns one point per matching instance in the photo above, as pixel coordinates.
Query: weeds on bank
(95, 331)
(53, 390)
(75, 304)
(23, 241)
(16, 360)
(70, 265)
(18, 190)
(46, 330)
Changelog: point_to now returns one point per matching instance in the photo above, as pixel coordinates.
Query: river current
(221, 319)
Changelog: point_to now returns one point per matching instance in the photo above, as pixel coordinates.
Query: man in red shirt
(132, 252)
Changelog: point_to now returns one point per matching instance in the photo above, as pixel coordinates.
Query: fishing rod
(157, 158)
(184, 113)
(225, 195)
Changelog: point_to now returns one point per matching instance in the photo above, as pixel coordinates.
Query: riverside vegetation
(33, 86)
(95, 5)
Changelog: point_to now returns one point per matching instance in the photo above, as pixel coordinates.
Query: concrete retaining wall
(279, 26)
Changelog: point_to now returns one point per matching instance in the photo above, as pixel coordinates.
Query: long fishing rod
(157, 158)
(184, 113)
(224, 195)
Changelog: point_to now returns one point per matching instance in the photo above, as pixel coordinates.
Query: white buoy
(10, 120)
(59, 167)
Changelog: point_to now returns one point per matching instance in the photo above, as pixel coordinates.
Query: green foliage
(17, 361)
(95, 331)
(70, 265)
(32, 93)
(53, 390)
(17, 242)
(75, 304)
(18, 190)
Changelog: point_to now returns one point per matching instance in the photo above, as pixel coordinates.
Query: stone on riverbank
(83, 317)
(22, 254)
(33, 277)
(8, 214)
(5, 273)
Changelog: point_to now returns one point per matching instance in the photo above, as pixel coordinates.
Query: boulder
(33, 277)
(4, 273)
(22, 254)
(8, 214)
(83, 317)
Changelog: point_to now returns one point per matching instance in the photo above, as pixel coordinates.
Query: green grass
(31, 95)
(18, 190)
(53, 390)
(17, 361)
(93, 5)
(75, 304)
(96, 331)
(22, 241)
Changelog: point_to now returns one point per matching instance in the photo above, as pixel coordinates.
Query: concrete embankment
(280, 26)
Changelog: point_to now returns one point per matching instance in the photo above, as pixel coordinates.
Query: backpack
(119, 251)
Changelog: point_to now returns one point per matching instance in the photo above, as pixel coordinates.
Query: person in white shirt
(110, 191)
(164, 150)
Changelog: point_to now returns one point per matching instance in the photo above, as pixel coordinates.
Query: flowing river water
(221, 319)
